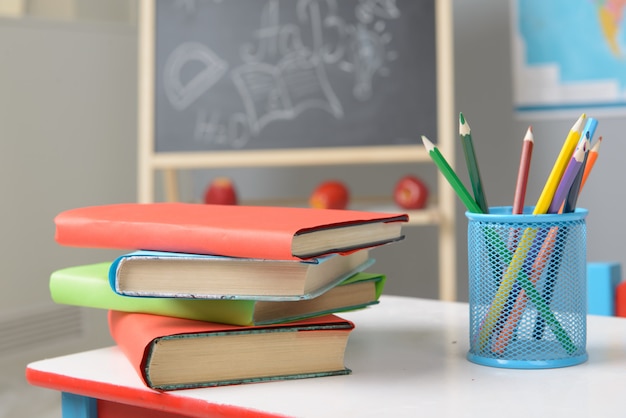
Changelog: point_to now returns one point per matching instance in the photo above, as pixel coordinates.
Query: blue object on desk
(77, 406)
(602, 280)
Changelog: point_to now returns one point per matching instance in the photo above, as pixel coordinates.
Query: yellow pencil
(559, 167)
(506, 284)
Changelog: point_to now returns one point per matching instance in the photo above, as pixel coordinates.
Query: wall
(67, 132)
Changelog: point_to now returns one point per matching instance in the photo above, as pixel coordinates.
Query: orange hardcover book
(278, 233)
(173, 353)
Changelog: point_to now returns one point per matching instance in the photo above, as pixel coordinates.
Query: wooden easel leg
(170, 178)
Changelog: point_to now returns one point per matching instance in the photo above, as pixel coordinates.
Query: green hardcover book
(88, 286)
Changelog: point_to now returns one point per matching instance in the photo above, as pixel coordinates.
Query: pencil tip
(529, 134)
(464, 128)
(580, 151)
(596, 146)
(427, 144)
(578, 125)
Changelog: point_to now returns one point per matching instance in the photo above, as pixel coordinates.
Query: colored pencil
(569, 176)
(542, 307)
(506, 333)
(548, 287)
(573, 169)
(518, 259)
(472, 164)
(522, 173)
(571, 199)
(451, 176)
(591, 160)
(547, 248)
(559, 167)
(567, 206)
(572, 196)
(520, 188)
(506, 285)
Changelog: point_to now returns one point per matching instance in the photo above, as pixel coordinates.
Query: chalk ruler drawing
(182, 95)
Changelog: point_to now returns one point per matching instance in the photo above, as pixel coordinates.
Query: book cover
(88, 286)
(172, 353)
(167, 274)
(266, 232)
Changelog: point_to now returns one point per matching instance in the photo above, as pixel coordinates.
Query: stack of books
(213, 295)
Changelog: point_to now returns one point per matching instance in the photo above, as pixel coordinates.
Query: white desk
(407, 358)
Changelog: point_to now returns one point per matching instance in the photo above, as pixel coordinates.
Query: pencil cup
(527, 288)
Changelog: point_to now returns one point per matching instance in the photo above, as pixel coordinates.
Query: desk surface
(407, 358)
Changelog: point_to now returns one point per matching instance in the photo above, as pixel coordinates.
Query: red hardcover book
(266, 232)
(173, 353)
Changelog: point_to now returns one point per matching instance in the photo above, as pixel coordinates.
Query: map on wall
(569, 56)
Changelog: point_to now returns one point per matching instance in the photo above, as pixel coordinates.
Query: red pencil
(522, 174)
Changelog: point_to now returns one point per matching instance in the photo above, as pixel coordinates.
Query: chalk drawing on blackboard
(368, 10)
(283, 91)
(369, 52)
(181, 93)
(366, 47)
(273, 38)
(190, 5)
(218, 129)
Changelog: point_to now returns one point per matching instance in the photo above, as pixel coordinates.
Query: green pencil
(451, 176)
(472, 164)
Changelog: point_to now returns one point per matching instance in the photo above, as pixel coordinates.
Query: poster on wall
(568, 57)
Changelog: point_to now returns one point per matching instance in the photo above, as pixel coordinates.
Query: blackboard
(283, 74)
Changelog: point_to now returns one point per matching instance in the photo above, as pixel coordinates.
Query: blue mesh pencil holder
(527, 288)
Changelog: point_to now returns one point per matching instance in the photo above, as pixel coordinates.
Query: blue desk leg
(77, 406)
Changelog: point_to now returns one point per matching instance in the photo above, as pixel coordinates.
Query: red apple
(220, 191)
(331, 194)
(410, 193)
